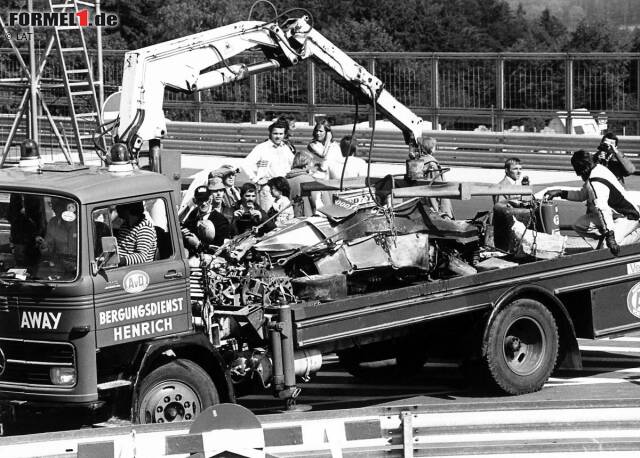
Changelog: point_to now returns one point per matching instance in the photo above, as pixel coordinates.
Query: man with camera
(248, 213)
(610, 211)
(612, 158)
(209, 223)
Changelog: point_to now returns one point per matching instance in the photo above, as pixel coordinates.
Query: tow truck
(160, 341)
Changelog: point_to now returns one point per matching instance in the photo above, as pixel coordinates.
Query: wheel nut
(159, 409)
(187, 404)
(178, 397)
(160, 420)
(167, 399)
(187, 416)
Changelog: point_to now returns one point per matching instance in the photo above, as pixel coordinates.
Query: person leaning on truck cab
(137, 239)
(604, 195)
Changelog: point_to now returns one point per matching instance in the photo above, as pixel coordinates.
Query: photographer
(606, 199)
(611, 157)
(248, 213)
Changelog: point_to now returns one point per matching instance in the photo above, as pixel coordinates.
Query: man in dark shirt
(248, 214)
(612, 158)
(209, 207)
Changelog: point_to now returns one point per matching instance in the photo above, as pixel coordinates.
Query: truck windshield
(38, 237)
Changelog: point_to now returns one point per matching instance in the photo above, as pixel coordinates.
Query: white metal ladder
(78, 80)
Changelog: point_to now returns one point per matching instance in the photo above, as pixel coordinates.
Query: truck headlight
(63, 376)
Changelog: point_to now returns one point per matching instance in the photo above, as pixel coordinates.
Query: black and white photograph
(281, 229)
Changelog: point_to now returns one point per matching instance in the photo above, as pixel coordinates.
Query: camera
(604, 153)
(607, 148)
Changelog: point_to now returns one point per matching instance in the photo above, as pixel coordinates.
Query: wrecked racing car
(357, 245)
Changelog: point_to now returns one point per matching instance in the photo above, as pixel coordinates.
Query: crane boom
(200, 61)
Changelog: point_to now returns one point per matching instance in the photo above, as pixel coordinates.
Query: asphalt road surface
(610, 373)
(610, 377)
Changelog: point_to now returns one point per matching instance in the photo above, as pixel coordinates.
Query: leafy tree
(545, 34)
(598, 36)
(367, 35)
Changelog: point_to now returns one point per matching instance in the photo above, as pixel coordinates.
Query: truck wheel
(176, 391)
(522, 347)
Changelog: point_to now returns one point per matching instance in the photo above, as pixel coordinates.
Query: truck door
(616, 307)
(148, 296)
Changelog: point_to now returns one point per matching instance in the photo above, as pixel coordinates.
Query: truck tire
(522, 347)
(176, 391)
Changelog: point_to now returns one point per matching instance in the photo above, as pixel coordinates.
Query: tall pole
(100, 68)
(33, 80)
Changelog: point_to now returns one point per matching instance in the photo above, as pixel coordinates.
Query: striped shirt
(137, 244)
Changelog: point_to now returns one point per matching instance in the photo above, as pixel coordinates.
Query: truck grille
(28, 362)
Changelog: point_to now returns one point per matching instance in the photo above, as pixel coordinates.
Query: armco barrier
(455, 148)
(461, 148)
(407, 428)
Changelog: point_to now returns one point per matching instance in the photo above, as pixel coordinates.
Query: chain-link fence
(452, 90)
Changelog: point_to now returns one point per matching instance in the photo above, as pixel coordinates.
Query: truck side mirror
(109, 259)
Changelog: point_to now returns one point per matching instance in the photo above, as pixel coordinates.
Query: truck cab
(72, 329)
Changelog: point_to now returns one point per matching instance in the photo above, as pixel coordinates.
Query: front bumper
(21, 417)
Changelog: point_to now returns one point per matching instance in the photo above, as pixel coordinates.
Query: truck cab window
(140, 228)
(38, 237)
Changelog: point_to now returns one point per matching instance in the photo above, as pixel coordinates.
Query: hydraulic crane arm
(354, 77)
(198, 62)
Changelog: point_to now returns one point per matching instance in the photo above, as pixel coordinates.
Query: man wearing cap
(231, 192)
(209, 208)
(269, 159)
(226, 172)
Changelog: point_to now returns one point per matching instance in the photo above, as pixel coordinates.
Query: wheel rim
(169, 402)
(524, 346)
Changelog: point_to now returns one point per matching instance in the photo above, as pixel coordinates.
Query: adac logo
(633, 300)
(3, 362)
(135, 281)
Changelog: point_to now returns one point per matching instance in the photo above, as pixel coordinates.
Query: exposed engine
(324, 258)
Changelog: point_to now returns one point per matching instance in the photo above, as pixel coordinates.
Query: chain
(534, 246)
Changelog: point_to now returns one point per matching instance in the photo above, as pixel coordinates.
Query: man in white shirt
(513, 175)
(269, 159)
(356, 167)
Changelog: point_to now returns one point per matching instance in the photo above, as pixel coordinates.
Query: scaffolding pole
(33, 80)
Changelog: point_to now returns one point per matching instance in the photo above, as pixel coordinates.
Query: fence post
(407, 433)
(435, 95)
(253, 99)
(311, 92)
(500, 93)
(638, 92)
(568, 82)
(197, 98)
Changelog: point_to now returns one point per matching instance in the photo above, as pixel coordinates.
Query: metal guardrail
(409, 428)
(455, 148)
